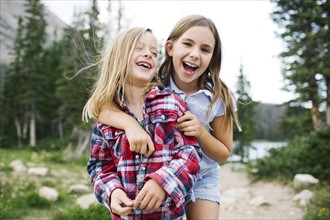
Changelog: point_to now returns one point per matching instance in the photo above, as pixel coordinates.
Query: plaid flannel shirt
(173, 165)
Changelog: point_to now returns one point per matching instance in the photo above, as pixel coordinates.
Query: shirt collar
(153, 93)
(177, 91)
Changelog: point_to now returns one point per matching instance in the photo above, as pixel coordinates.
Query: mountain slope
(10, 11)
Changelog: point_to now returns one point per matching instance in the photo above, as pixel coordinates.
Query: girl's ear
(169, 48)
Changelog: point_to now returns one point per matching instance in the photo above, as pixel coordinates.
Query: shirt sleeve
(178, 176)
(101, 167)
(219, 108)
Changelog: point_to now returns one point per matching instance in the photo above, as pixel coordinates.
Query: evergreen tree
(305, 29)
(81, 48)
(25, 77)
(13, 107)
(296, 121)
(246, 110)
(35, 39)
(47, 110)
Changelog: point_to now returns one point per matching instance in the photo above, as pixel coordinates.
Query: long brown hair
(210, 79)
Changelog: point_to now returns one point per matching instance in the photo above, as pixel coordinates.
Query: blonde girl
(131, 185)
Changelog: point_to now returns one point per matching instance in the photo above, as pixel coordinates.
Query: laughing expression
(144, 60)
(191, 55)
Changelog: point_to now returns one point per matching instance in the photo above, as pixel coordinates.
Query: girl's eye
(155, 54)
(139, 47)
(206, 50)
(186, 43)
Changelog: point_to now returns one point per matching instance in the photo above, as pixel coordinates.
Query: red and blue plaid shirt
(173, 165)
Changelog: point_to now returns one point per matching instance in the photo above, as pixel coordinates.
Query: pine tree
(305, 29)
(26, 72)
(48, 102)
(246, 110)
(35, 38)
(13, 118)
(79, 70)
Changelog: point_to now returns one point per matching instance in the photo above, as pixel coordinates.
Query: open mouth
(189, 68)
(144, 64)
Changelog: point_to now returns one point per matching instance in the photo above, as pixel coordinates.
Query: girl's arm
(102, 168)
(217, 145)
(139, 140)
(178, 176)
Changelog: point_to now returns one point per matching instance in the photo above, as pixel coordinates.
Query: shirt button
(137, 156)
(116, 133)
(143, 168)
(162, 117)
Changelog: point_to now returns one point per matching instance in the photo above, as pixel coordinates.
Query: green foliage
(96, 211)
(246, 109)
(296, 121)
(19, 197)
(16, 202)
(35, 201)
(304, 27)
(304, 154)
(319, 209)
(38, 90)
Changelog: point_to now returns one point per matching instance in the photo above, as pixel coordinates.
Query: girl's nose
(194, 53)
(147, 53)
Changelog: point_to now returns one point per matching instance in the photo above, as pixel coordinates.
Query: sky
(245, 27)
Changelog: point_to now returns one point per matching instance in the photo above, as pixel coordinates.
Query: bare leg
(202, 210)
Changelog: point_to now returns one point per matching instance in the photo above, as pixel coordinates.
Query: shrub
(306, 154)
(319, 209)
(35, 201)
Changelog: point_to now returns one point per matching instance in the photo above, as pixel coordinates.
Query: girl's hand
(150, 197)
(139, 140)
(189, 124)
(120, 204)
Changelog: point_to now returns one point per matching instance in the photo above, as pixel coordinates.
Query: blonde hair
(210, 79)
(110, 86)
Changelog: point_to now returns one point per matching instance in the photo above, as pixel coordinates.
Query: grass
(19, 197)
(319, 209)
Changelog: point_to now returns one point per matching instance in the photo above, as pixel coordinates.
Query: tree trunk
(25, 125)
(82, 146)
(120, 15)
(33, 126)
(315, 115)
(18, 132)
(60, 129)
(328, 102)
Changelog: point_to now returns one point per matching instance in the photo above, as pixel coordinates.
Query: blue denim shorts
(206, 188)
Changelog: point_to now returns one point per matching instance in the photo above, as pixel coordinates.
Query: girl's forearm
(114, 117)
(213, 148)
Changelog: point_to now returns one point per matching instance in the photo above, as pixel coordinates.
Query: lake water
(261, 150)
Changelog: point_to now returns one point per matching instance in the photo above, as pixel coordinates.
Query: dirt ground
(257, 201)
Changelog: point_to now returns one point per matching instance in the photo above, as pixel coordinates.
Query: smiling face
(191, 55)
(144, 61)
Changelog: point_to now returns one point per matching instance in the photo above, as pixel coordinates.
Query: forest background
(42, 96)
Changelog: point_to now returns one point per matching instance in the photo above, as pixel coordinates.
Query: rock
(258, 201)
(304, 180)
(18, 166)
(79, 188)
(38, 171)
(86, 200)
(304, 197)
(48, 193)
